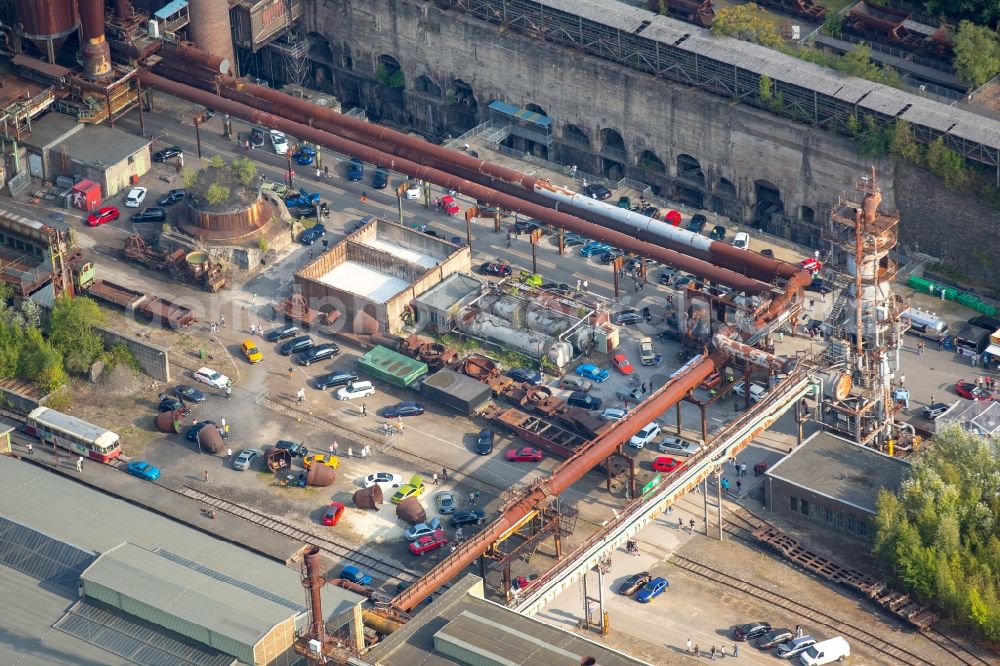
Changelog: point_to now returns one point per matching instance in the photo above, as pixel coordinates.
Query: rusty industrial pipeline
(314, 582)
(93, 44)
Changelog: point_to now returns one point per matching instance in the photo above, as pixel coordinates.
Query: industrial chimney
(314, 582)
(210, 30)
(95, 49)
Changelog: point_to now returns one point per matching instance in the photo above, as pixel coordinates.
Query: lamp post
(197, 133)
(288, 156)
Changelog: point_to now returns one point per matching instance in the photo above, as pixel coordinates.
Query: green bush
(217, 194)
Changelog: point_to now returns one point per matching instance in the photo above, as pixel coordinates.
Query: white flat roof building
(364, 281)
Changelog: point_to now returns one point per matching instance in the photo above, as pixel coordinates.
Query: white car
(394, 480)
(212, 378)
(645, 436)
(614, 414)
(279, 142)
(423, 529)
(356, 390)
(647, 356)
(135, 197)
(757, 392)
(677, 447)
(413, 191)
(742, 240)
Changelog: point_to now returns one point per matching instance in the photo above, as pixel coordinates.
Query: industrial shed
(458, 391)
(391, 367)
(437, 308)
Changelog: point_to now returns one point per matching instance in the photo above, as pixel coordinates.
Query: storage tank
(46, 24)
(168, 422)
(210, 30)
(94, 47)
(836, 385)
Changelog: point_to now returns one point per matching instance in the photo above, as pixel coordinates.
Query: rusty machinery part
(320, 476)
(46, 24)
(480, 192)
(210, 30)
(95, 47)
(564, 476)
(368, 498)
(313, 581)
(411, 511)
(168, 422)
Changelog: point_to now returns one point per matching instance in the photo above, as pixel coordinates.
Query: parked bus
(926, 324)
(73, 434)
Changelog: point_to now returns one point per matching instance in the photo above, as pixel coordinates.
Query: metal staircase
(837, 309)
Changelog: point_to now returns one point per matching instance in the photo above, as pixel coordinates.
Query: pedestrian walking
(586, 285)
(689, 646)
(902, 380)
(572, 174)
(932, 400)
(739, 486)
(222, 321)
(319, 174)
(385, 427)
(975, 360)
(364, 197)
(736, 465)
(205, 476)
(364, 452)
(331, 449)
(336, 447)
(798, 631)
(350, 451)
(229, 453)
(712, 653)
(79, 464)
(301, 395)
(691, 523)
(310, 253)
(290, 371)
(364, 409)
(736, 650)
(743, 469)
(579, 282)
(680, 526)
(229, 394)
(326, 172)
(399, 426)
(444, 473)
(434, 477)
(697, 651)
(508, 239)
(213, 327)
(31, 449)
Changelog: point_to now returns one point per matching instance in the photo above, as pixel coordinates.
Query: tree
(71, 331)
(747, 22)
(40, 363)
(244, 170)
(216, 195)
(189, 176)
(903, 143)
(977, 53)
(873, 141)
(946, 163)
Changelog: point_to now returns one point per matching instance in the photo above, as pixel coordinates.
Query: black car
(611, 255)
(570, 240)
(485, 210)
(774, 638)
(150, 215)
(281, 333)
(336, 378)
(355, 169)
(499, 270)
(527, 226)
(744, 632)
(167, 153)
(931, 412)
(312, 234)
(561, 287)
(297, 344)
(632, 584)
(403, 409)
(189, 394)
(172, 197)
(649, 210)
(484, 443)
(380, 179)
(585, 400)
(718, 233)
(597, 191)
(767, 252)
(627, 317)
(991, 324)
(525, 375)
(317, 353)
(192, 433)
(697, 223)
(169, 403)
(820, 286)
(294, 448)
(358, 224)
(668, 274)
(468, 517)
(256, 137)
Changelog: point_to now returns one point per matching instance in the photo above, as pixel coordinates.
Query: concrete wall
(153, 359)
(820, 512)
(116, 178)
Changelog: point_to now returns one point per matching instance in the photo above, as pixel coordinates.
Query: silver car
(574, 383)
(677, 447)
(245, 459)
(795, 646)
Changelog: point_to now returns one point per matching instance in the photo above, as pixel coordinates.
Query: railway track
(368, 562)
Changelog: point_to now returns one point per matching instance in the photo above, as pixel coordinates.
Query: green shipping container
(392, 367)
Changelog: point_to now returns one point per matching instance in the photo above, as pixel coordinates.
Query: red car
(333, 513)
(429, 542)
(970, 391)
(524, 454)
(712, 381)
(621, 364)
(448, 205)
(103, 216)
(665, 464)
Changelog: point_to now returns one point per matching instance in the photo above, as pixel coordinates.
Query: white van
(926, 324)
(827, 652)
(356, 390)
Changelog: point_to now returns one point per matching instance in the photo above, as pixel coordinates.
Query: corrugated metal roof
(885, 100)
(40, 556)
(523, 114)
(184, 593)
(170, 9)
(940, 119)
(977, 129)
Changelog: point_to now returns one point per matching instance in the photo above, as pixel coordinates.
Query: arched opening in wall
(723, 200)
(461, 94)
(424, 85)
(576, 136)
(389, 73)
(689, 171)
(612, 169)
(319, 48)
(650, 162)
(347, 62)
(769, 203)
(614, 156)
(807, 215)
(535, 109)
(726, 189)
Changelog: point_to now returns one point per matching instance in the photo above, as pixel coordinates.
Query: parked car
(742, 240)
(332, 514)
(597, 191)
(135, 197)
(167, 153)
(632, 584)
(971, 391)
(697, 223)
(305, 155)
(355, 170)
(651, 590)
(677, 447)
(245, 459)
(279, 142)
(281, 333)
(408, 408)
(250, 351)
(820, 286)
(189, 393)
(295, 449)
(423, 529)
(767, 252)
(628, 317)
(381, 178)
(718, 233)
(667, 275)
(584, 400)
(647, 356)
(335, 378)
(757, 392)
(524, 454)
(592, 372)
(614, 414)
(297, 344)
(635, 395)
(150, 215)
(774, 638)
(484, 442)
(321, 459)
(825, 652)
(464, 517)
(445, 501)
(611, 255)
(498, 270)
(169, 403)
(356, 390)
(414, 488)
(428, 543)
(991, 324)
(795, 647)
(256, 137)
(931, 412)
(212, 378)
(666, 464)
(192, 433)
(448, 204)
(526, 226)
(648, 433)
(388, 478)
(172, 197)
(594, 247)
(355, 575)
(574, 383)
(744, 632)
(103, 216)
(413, 191)
(621, 363)
(525, 375)
(315, 353)
(312, 234)
(143, 470)
(571, 240)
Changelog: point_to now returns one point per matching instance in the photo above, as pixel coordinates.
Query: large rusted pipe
(568, 473)
(314, 583)
(95, 49)
(697, 267)
(179, 54)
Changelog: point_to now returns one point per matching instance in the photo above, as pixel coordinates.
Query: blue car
(305, 155)
(296, 200)
(311, 198)
(355, 575)
(312, 234)
(355, 170)
(651, 590)
(594, 247)
(592, 372)
(143, 470)
(525, 375)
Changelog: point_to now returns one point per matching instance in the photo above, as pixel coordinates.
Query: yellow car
(322, 459)
(414, 488)
(250, 350)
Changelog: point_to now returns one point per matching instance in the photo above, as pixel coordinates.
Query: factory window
(828, 514)
(850, 524)
(838, 520)
(793, 503)
(804, 507)
(131, 159)
(862, 529)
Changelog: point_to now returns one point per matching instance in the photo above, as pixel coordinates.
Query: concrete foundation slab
(364, 281)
